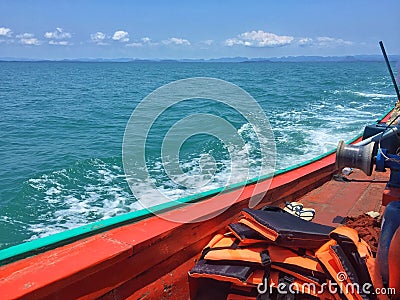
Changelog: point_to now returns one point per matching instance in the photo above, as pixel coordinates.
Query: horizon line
(356, 57)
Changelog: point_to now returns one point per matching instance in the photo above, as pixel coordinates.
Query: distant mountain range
(353, 58)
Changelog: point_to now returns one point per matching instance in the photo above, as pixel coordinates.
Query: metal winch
(367, 153)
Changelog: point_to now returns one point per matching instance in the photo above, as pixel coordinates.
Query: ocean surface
(62, 125)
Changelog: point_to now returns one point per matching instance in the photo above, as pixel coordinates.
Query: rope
(379, 142)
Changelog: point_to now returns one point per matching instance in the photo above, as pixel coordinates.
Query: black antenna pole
(390, 70)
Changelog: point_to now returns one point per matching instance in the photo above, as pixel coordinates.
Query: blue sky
(196, 29)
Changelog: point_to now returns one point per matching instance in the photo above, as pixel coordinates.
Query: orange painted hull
(150, 259)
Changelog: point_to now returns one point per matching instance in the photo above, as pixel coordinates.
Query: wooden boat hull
(150, 258)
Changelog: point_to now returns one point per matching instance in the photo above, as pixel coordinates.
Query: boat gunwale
(35, 247)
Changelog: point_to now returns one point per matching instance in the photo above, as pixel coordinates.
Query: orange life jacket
(262, 247)
(285, 229)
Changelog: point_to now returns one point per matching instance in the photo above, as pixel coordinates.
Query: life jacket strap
(285, 293)
(265, 259)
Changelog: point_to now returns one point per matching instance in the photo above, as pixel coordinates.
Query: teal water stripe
(62, 238)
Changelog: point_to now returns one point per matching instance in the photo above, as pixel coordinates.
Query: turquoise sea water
(62, 125)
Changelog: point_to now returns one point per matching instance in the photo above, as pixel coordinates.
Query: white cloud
(58, 37)
(135, 44)
(60, 43)
(325, 41)
(28, 39)
(4, 31)
(305, 41)
(121, 36)
(259, 39)
(98, 38)
(176, 41)
(58, 34)
(145, 41)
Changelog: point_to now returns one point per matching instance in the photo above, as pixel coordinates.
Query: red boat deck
(335, 200)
